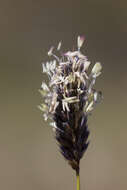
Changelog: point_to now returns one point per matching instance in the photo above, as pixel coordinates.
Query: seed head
(68, 99)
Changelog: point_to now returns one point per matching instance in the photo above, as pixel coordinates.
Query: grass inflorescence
(69, 98)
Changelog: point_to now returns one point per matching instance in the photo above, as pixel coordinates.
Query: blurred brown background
(29, 157)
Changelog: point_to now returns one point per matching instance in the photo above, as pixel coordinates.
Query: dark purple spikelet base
(68, 100)
(72, 130)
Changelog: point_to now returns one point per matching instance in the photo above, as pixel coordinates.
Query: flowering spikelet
(68, 100)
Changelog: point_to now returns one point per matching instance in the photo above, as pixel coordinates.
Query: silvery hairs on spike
(68, 99)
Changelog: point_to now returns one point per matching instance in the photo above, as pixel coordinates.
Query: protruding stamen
(80, 41)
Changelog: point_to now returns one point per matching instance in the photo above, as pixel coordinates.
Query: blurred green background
(29, 157)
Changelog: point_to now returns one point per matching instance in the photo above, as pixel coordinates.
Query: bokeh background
(29, 157)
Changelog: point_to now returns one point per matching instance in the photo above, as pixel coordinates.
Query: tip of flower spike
(80, 41)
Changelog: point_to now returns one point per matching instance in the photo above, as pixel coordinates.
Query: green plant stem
(78, 180)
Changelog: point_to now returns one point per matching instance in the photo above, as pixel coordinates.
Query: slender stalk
(78, 180)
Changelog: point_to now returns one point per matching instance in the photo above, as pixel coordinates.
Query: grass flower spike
(68, 100)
